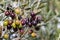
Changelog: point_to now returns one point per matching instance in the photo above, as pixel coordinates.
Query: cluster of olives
(11, 13)
(18, 24)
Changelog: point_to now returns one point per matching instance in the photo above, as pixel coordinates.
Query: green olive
(5, 23)
(13, 25)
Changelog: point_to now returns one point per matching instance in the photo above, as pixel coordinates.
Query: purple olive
(30, 24)
(32, 14)
(37, 28)
(21, 31)
(38, 18)
(12, 15)
(30, 31)
(26, 20)
(34, 23)
(23, 22)
(9, 27)
(7, 13)
(8, 8)
(33, 18)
